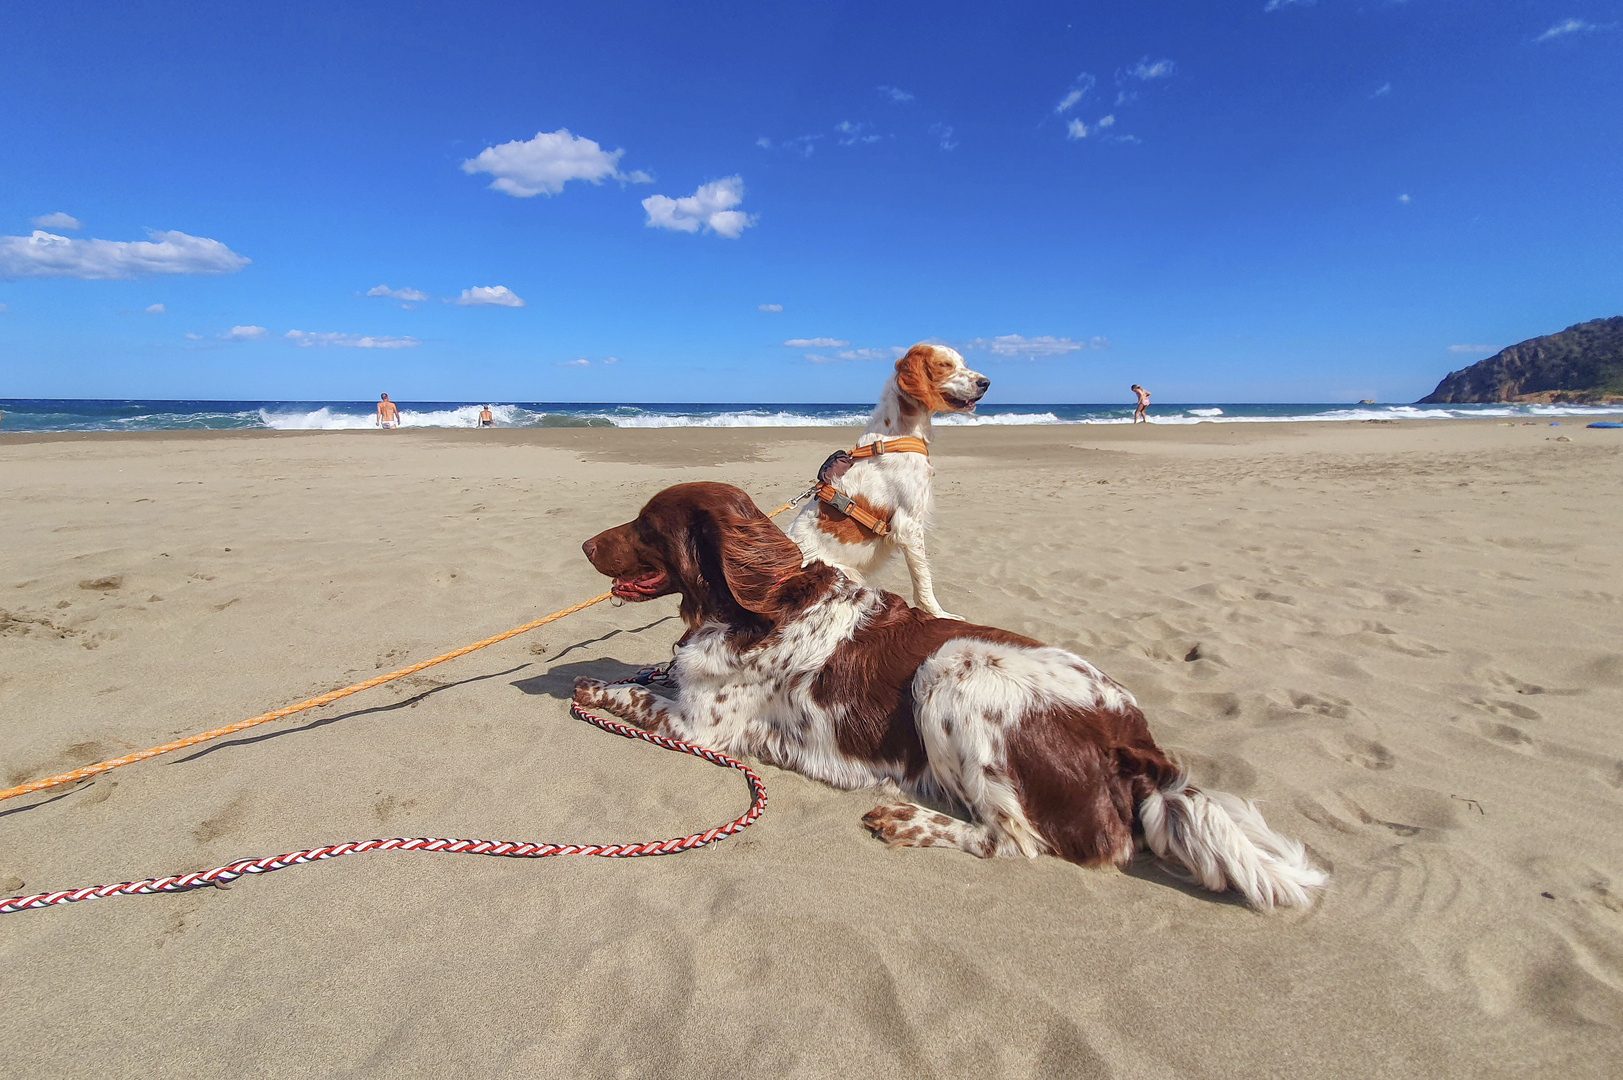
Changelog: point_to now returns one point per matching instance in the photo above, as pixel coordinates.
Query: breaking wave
(84, 415)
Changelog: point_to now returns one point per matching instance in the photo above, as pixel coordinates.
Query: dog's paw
(895, 824)
(588, 691)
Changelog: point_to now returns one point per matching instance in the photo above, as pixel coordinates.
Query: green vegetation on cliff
(1581, 364)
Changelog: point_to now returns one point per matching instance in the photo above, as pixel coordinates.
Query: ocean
(29, 414)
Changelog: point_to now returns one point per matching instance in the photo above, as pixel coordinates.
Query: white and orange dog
(892, 487)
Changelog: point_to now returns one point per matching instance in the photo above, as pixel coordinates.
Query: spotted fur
(803, 667)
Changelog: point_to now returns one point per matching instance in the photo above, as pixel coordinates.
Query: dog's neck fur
(896, 415)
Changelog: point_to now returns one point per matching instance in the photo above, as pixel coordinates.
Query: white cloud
(1106, 121)
(46, 254)
(491, 295)
(611, 359)
(1571, 26)
(890, 353)
(1016, 345)
(1382, 90)
(155, 309)
(58, 220)
(896, 95)
(582, 362)
(1404, 199)
(194, 337)
(1079, 89)
(411, 295)
(768, 307)
(1472, 349)
(944, 133)
(1076, 129)
(850, 134)
(350, 341)
(243, 333)
(1281, 5)
(1145, 69)
(814, 343)
(544, 164)
(803, 145)
(709, 208)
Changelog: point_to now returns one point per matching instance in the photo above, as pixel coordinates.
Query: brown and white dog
(802, 667)
(928, 380)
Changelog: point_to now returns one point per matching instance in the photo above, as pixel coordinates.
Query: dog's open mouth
(639, 588)
(960, 404)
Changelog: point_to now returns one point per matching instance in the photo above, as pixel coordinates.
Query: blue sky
(1256, 200)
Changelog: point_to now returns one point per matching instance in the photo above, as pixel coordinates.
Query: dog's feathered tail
(1225, 844)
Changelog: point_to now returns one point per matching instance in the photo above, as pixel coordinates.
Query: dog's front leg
(631, 703)
(918, 567)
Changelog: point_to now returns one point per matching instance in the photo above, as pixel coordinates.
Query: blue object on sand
(1605, 423)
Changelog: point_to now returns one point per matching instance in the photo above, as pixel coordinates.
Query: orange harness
(841, 502)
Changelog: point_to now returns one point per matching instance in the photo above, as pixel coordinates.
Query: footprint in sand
(1337, 708)
(389, 806)
(1219, 706)
(1505, 733)
(224, 823)
(1406, 811)
(1605, 670)
(103, 584)
(1368, 755)
(1506, 708)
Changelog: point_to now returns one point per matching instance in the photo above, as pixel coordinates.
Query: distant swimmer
(1143, 403)
(485, 419)
(388, 415)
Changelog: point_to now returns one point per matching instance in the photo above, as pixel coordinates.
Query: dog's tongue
(640, 587)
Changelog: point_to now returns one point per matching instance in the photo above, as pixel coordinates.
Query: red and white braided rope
(507, 849)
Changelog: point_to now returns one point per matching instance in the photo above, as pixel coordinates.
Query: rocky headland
(1582, 365)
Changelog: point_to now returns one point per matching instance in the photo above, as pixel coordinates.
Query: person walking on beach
(388, 415)
(1143, 403)
(485, 419)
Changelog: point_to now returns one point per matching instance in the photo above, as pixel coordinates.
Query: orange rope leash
(314, 703)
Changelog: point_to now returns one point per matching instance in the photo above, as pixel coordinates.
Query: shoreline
(547, 435)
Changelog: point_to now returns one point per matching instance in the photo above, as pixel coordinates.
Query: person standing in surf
(388, 415)
(1143, 404)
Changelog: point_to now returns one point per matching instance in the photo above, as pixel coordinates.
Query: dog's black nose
(589, 547)
(983, 382)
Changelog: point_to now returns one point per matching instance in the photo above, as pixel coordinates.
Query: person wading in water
(388, 415)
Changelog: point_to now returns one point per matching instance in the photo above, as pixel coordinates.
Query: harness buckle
(839, 500)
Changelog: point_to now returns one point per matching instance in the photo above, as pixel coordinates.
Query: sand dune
(1405, 641)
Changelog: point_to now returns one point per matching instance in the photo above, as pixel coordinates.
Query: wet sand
(1405, 640)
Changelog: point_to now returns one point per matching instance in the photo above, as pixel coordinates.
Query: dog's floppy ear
(756, 557)
(914, 378)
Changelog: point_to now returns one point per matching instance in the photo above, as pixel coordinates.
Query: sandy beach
(1405, 640)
